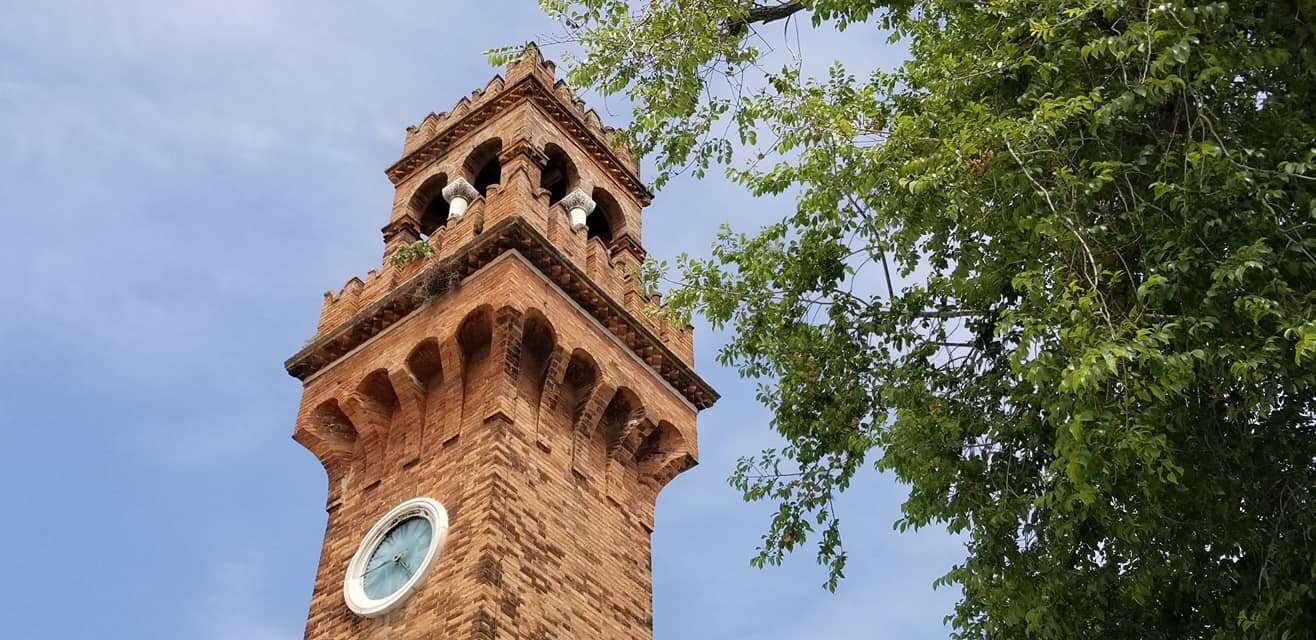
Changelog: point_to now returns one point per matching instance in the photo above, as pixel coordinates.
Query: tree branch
(772, 13)
(763, 14)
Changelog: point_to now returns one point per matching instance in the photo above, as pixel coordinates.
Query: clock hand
(378, 566)
(404, 565)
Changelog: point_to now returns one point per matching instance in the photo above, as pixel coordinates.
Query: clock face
(394, 556)
(397, 557)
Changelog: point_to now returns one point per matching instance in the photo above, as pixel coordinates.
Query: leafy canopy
(1056, 272)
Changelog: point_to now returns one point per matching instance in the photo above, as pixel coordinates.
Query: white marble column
(459, 193)
(578, 206)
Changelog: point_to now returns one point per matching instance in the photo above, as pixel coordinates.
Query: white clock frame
(354, 584)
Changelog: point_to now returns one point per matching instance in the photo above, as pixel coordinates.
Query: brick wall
(545, 438)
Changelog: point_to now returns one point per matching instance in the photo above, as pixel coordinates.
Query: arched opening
(579, 380)
(603, 222)
(378, 390)
(334, 428)
(378, 406)
(484, 166)
(661, 445)
(429, 205)
(620, 418)
(475, 334)
(537, 343)
(475, 337)
(559, 176)
(425, 364)
(331, 436)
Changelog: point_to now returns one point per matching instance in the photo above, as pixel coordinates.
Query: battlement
(612, 268)
(530, 64)
(530, 78)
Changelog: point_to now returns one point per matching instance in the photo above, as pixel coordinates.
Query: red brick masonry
(519, 377)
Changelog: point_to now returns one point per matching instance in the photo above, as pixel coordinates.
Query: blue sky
(180, 181)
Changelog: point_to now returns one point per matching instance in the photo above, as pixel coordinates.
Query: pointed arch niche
(475, 338)
(537, 343)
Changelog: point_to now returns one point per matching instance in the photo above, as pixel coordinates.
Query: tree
(1091, 349)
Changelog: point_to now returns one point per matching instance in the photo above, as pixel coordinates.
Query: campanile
(497, 406)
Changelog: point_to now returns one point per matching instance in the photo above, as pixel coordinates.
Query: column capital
(459, 193)
(460, 188)
(578, 206)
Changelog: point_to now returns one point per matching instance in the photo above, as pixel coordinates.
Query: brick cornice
(534, 90)
(442, 276)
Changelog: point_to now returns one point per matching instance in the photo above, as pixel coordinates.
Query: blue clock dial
(397, 557)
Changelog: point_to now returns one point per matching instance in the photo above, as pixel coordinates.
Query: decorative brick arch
(559, 175)
(579, 379)
(475, 333)
(663, 454)
(607, 221)
(620, 418)
(330, 435)
(370, 406)
(538, 343)
(475, 342)
(425, 364)
(482, 166)
(427, 206)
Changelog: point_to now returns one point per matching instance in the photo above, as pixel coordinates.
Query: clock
(394, 556)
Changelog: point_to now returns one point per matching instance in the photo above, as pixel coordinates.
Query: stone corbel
(578, 206)
(522, 147)
(459, 193)
(626, 243)
(404, 230)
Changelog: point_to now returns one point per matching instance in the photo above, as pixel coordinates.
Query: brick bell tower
(496, 419)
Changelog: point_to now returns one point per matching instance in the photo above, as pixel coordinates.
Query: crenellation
(375, 286)
(419, 134)
(522, 73)
(339, 307)
(460, 109)
(564, 91)
(531, 63)
(433, 124)
(612, 269)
